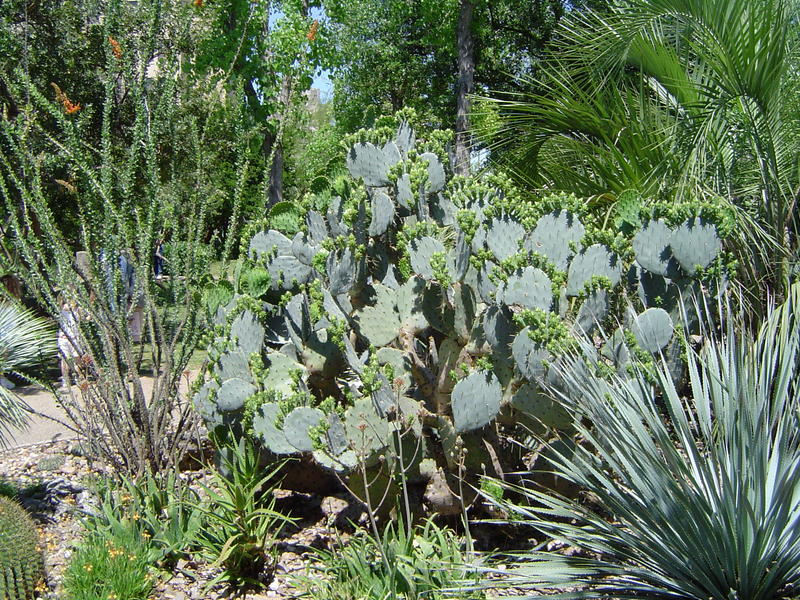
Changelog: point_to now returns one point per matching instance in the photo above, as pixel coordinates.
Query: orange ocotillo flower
(61, 97)
(115, 48)
(312, 33)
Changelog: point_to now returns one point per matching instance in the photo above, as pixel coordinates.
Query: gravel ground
(58, 481)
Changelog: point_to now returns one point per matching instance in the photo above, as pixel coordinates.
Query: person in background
(158, 258)
(68, 340)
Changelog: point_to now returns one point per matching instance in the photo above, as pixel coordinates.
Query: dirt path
(42, 429)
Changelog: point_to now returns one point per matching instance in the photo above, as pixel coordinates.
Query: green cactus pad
(475, 401)
(653, 329)
(297, 424)
(503, 236)
(405, 197)
(420, 251)
(594, 261)
(316, 227)
(592, 311)
(367, 161)
(267, 431)
(553, 235)
(498, 329)
(695, 244)
(233, 365)
(254, 281)
(216, 295)
(653, 251)
(366, 431)
(379, 323)
(232, 394)
(269, 243)
(302, 249)
(533, 402)
(405, 137)
(436, 176)
(531, 288)
(409, 303)
(248, 333)
(382, 213)
(529, 356)
(279, 374)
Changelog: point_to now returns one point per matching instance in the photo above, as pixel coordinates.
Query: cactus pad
(503, 236)
(542, 408)
(297, 424)
(264, 426)
(531, 288)
(475, 401)
(652, 247)
(382, 213)
(529, 356)
(594, 261)
(232, 394)
(695, 244)
(553, 235)
(420, 252)
(248, 333)
(593, 310)
(653, 329)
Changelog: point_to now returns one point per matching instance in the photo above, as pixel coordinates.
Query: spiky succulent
(21, 561)
(382, 298)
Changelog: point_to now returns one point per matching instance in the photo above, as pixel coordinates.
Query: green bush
(697, 497)
(110, 566)
(161, 511)
(425, 562)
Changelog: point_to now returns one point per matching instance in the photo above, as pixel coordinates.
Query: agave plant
(25, 341)
(699, 497)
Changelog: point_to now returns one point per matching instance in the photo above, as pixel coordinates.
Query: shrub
(161, 511)
(425, 562)
(109, 566)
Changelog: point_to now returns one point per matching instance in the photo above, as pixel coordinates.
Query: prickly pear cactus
(411, 320)
(21, 561)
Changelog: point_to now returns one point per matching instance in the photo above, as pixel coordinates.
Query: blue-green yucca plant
(700, 496)
(25, 342)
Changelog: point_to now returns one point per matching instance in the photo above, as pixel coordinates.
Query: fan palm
(700, 496)
(25, 341)
(673, 98)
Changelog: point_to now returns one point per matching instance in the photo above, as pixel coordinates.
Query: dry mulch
(57, 481)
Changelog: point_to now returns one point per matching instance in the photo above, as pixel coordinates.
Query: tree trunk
(275, 194)
(465, 85)
(276, 168)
